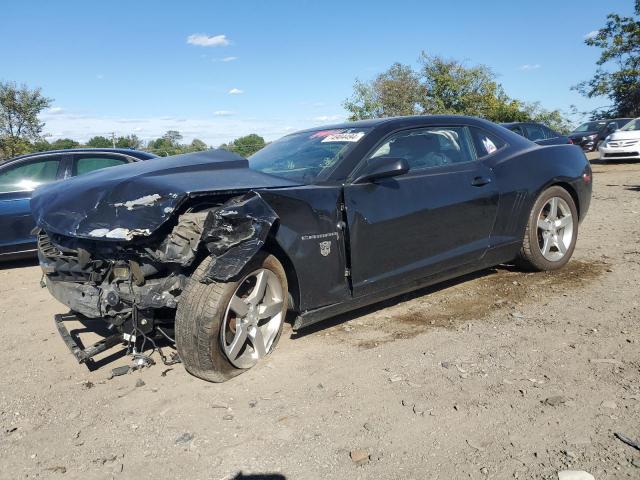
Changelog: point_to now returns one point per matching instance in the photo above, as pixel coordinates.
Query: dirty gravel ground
(497, 375)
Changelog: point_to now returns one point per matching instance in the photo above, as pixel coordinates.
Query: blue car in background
(19, 176)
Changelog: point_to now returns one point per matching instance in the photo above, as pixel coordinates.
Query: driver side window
(429, 147)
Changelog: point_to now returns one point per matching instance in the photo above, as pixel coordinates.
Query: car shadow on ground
(633, 188)
(363, 311)
(613, 162)
(20, 263)
(95, 327)
(98, 328)
(258, 476)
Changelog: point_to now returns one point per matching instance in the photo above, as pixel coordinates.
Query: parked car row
(537, 132)
(590, 135)
(21, 175)
(622, 144)
(614, 139)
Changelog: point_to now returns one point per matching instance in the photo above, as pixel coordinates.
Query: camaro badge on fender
(325, 248)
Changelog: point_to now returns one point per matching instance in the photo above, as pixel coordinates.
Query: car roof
(404, 120)
(124, 151)
(511, 124)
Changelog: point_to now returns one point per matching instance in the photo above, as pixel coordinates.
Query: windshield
(632, 125)
(621, 122)
(305, 156)
(590, 127)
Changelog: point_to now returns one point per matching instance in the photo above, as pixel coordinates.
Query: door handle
(481, 181)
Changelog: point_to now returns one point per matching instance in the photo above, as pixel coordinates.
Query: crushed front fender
(234, 234)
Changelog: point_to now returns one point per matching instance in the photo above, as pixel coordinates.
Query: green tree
(129, 141)
(197, 145)
(395, 92)
(442, 86)
(245, 146)
(168, 144)
(19, 122)
(617, 76)
(554, 119)
(454, 88)
(40, 146)
(99, 142)
(64, 144)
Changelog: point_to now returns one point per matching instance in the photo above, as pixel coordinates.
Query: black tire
(200, 315)
(530, 256)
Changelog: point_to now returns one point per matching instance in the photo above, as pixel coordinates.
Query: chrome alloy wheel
(253, 318)
(555, 229)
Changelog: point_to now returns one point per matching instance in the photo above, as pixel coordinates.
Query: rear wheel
(223, 329)
(551, 232)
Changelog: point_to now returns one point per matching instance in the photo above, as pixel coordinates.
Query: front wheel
(223, 329)
(551, 232)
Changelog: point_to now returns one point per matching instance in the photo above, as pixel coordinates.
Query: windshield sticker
(343, 137)
(325, 133)
(489, 145)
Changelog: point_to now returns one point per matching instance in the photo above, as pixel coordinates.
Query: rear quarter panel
(526, 173)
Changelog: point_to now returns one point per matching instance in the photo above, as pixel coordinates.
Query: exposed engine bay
(135, 286)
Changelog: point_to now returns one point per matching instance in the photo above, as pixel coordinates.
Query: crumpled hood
(122, 202)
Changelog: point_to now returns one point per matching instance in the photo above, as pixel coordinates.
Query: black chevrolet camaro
(212, 250)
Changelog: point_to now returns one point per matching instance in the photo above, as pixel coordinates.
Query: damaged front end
(135, 284)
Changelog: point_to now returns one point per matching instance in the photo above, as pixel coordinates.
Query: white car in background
(623, 144)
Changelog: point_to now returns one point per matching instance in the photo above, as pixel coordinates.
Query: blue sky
(271, 67)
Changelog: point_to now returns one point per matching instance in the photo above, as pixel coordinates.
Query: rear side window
(517, 129)
(486, 143)
(90, 164)
(535, 132)
(424, 148)
(550, 133)
(29, 175)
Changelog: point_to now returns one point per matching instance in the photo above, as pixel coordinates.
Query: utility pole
(113, 139)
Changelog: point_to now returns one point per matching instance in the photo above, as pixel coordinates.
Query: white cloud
(55, 110)
(224, 59)
(530, 66)
(591, 34)
(203, 40)
(236, 91)
(328, 118)
(223, 113)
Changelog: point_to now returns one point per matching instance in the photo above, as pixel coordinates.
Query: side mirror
(382, 167)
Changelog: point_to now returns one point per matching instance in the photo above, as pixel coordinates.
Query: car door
(17, 182)
(436, 217)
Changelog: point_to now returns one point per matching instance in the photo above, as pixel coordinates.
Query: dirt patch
(510, 381)
(455, 303)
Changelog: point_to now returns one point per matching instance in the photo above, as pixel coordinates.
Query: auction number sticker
(343, 137)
